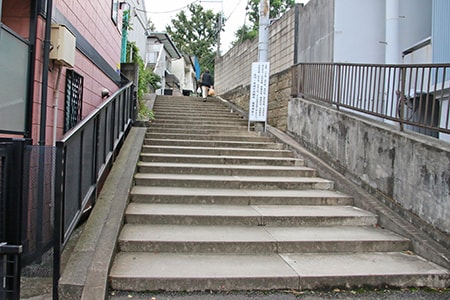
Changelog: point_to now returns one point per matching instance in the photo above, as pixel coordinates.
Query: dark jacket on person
(207, 79)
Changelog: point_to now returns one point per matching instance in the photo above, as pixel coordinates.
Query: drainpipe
(48, 28)
(55, 105)
(392, 54)
(123, 55)
(31, 68)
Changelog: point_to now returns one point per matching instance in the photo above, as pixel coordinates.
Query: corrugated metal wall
(441, 31)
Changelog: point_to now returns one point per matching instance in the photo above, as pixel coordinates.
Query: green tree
(195, 33)
(249, 32)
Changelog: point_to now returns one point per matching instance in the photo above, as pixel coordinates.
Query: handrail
(83, 159)
(412, 95)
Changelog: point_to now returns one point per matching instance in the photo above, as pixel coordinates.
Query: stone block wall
(233, 70)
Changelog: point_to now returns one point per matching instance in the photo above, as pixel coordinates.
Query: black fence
(12, 201)
(10, 271)
(45, 190)
(83, 159)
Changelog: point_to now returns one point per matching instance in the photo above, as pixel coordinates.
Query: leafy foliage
(249, 32)
(146, 78)
(195, 33)
(244, 33)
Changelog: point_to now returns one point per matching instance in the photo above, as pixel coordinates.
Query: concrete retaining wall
(410, 170)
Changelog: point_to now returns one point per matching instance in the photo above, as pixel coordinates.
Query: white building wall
(138, 21)
(415, 22)
(359, 33)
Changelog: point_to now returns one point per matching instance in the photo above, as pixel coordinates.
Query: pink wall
(92, 19)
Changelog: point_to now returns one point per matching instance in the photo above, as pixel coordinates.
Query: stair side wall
(404, 169)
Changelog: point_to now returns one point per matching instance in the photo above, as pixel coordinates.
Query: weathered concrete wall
(233, 70)
(316, 32)
(410, 170)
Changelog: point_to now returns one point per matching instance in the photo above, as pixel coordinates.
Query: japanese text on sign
(259, 92)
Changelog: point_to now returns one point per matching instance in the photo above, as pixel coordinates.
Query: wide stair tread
(257, 239)
(192, 195)
(144, 271)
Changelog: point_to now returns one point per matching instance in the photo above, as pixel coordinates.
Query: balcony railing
(413, 95)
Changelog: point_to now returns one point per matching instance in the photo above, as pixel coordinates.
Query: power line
(169, 11)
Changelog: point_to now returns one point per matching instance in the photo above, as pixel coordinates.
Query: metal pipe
(55, 105)
(48, 28)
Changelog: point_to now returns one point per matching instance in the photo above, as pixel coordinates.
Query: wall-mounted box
(63, 45)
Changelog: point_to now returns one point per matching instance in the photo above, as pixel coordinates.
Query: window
(73, 99)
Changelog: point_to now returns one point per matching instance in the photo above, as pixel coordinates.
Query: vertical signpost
(259, 87)
(259, 93)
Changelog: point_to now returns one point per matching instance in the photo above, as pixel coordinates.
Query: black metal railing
(413, 95)
(83, 158)
(13, 212)
(10, 271)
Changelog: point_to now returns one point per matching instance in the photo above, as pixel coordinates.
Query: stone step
(216, 151)
(192, 113)
(257, 239)
(185, 102)
(204, 121)
(233, 182)
(223, 126)
(187, 129)
(214, 143)
(221, 159)
(197, 118)
(224, 170)
(178, 195)
(244, 136)
(249, 215)
(143, 271)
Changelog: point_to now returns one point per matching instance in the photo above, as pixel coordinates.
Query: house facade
(48, 87)
(137, 30)
(185, 70)
(160, 53)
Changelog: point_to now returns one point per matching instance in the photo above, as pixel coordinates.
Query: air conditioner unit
(63, 45)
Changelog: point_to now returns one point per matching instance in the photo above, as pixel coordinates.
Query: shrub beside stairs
(216, 207)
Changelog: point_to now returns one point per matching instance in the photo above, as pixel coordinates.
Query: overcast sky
(161, 12)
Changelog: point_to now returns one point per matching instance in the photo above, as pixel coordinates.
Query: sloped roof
(164, 38)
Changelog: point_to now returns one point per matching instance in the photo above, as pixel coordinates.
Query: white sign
(259, 92)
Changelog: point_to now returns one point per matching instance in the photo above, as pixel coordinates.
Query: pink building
(88, 62)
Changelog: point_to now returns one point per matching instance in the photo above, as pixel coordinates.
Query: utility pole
(263, 37)
(259, 88)
(219, 30)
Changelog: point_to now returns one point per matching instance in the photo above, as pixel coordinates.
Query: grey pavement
(288, 295)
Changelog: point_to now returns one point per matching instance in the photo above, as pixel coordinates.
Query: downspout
(55, 105)
(123, 55)
(393, 53)
(48, 28)
(32, 67)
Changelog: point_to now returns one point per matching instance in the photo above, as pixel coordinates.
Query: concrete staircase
(215, 207)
